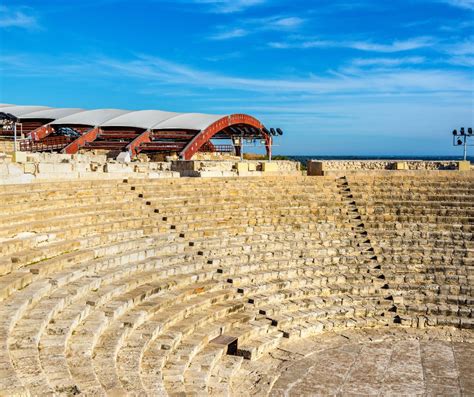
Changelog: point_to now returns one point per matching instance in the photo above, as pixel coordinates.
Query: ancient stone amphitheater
(238, 286)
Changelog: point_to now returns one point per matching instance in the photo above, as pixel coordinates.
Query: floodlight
(455, 132)
(265, 131)
(469, 131)
(280, 132)
(272, 131)
(459, 142)
(462, 130)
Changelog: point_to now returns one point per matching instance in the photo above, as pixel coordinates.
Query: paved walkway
(380, 363)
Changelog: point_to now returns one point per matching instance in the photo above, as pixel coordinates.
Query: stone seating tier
(155, 287)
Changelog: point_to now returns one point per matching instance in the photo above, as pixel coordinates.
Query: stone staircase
(156, 287)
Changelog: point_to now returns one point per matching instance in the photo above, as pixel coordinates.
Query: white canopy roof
(53, 113)
(18, 111)
(188, 121)
(145, 119)
(91, 117)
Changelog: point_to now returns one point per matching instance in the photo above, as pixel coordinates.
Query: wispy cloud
(161, 72)
(391, 62)
(466, 4)
(250, 26)
(17, 18)
(369, 46)
(228, 6)
(230, 34)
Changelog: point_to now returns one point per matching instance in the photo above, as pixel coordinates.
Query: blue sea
(304, 159)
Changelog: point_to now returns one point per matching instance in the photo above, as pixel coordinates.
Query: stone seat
(38, 196)
(113, 338)
(69, 221)
(140, 286)
(149, 349)
(374, 226)
(40, 259)
(213, 212)
(423, 211)
(202, 301)
(75, 210)
(222, 374)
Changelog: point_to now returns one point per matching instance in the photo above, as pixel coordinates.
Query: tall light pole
(461, 139)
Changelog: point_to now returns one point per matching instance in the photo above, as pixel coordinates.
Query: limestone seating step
(159, 350)
(251, 269)
(27, 296)
(42, 259)
(142, 359)
(321, 300)
(251, 217)
(439, 308)
(422, 219)
(69, 221)
(220, 382)
(445, 237)
(77, 210)
(95, 198)
(89, 337)
(247, 212)
(30, 327)
(223, 192)
(103, 311)
(190, 185)
(67, 185)
(327, 308)
(55, 346)
(429, 235)
(198, 374)
(392, 213)
(33, 252)
(64, 195)
(295, 238)
(111, 341)
(235, 230)
(181, 357)
(374, 226)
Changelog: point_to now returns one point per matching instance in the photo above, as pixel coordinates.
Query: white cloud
(229, 6)
(17, 18)
(388, 61)
(368, 46)
(465, 47)
(466, 4)
(255, 25)
(160, 72)
(462, 61)
(230, 34)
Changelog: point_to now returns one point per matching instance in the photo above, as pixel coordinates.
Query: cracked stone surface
(380, 362)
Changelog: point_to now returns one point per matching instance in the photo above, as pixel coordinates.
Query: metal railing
(49, 144)
(218, 149)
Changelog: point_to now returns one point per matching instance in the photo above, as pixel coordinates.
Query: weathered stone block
(269, 167)
(464, 166)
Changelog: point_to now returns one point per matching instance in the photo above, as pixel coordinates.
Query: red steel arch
(205, 135)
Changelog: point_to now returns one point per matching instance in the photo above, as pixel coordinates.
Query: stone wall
(205, 168)
(328, 167)
(6, 146)
(30, 167)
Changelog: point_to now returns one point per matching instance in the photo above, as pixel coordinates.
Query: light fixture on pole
(461, 139)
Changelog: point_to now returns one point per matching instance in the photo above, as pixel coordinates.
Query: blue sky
(339, 77)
